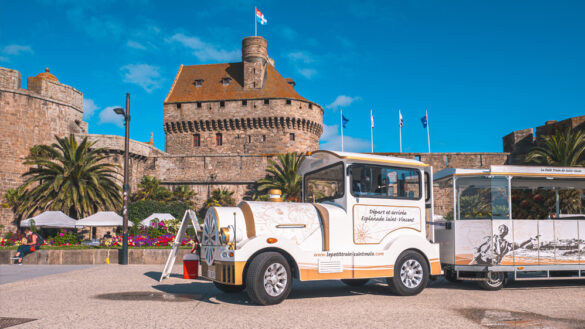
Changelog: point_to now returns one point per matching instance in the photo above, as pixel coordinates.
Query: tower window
(288, 102)
(222, 104)
(249, 139)
(218, 139)
(198, 105)
(178, 105)
(244, 103)
(198, 82)
(264, 138)
(292, 137)
(196, 140)
(417, 157)
(310, 106)
(266, 101)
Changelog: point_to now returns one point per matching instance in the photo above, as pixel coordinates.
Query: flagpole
(400, 128)
(255, 23)
(371, 131)
(428, 134)
(341, 118)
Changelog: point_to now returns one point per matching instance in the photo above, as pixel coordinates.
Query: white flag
(401, 122)
(372, 119)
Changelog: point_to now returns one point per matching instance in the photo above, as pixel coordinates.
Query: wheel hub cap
(411, 273)
(275, 279)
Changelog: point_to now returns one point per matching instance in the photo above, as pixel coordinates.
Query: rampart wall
(31, 117)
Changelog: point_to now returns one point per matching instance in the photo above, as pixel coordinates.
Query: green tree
(70, 176)
(220, 198)
(283, 175)
(149, 189)
(564, 148)
(13, 199)
(184, 194)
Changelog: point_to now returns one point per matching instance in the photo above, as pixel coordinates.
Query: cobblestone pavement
(131, 297)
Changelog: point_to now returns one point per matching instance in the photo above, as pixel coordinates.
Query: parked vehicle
(363, 217)
(519, 222)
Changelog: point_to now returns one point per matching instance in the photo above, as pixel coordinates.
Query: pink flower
(61, 234)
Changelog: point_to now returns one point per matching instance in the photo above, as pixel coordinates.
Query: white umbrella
(160, 216)
(55, 219)
(102, 218)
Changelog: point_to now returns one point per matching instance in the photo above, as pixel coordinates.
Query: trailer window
(385, 182)
(540, 198)
(325, 183)
(482, 198)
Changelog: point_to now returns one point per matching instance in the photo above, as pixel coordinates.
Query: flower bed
(158, 235)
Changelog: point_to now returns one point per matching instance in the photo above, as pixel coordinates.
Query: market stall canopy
(56, 219)
(102, 218)
(156, 216)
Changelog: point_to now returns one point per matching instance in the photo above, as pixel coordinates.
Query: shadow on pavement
(156, 275)
(511, 285)
(493, 318)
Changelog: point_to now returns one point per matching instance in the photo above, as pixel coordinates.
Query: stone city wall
(28, 119)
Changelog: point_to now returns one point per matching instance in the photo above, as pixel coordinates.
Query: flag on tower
(260, 17)
(344, 121)
(372, 118)
(400, 120)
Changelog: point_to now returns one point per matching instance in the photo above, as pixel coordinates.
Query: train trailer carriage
(526, 223)
(362, 216)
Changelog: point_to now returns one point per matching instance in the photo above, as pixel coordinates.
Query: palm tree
(220, 198)
(13, 199)
(183, 193)
(282, 175)
(564, 148)
(149, 189)
(70, 176)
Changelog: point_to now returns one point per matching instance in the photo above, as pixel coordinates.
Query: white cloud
(108, 115)
(302, 57)
(99, 27)
(89, 108)
(205, 51)
(342, 101)
(307, 73)
(331, 140)
(135, 45)
(144, 75)
(16, 50)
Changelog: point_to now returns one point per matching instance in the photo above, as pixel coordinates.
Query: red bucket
(190, 266)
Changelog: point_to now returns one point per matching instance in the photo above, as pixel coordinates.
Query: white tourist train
(523, 222)
(363, 217)
(366, 216)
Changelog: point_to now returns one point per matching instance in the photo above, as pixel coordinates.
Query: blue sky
(483, 69)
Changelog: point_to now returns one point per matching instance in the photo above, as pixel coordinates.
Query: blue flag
(424, 121)
(344, 121)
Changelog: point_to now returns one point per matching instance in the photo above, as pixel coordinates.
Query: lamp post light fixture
(126, 187)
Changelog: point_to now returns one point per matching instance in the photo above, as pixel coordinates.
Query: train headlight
(224, 235)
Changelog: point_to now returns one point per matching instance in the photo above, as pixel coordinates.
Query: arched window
(218, 139)
(196, 140)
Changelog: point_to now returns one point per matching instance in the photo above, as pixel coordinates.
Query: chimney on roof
(255, 59)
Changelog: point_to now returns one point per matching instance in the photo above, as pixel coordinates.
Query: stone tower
(239, 108)
(29, 117)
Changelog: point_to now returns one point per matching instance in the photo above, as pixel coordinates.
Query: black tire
(451, 276)
(419, 272)
(496, 281)
(228, 287)
(355, 282)
(255, 277)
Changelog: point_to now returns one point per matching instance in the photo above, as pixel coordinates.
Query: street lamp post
(126, 187)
